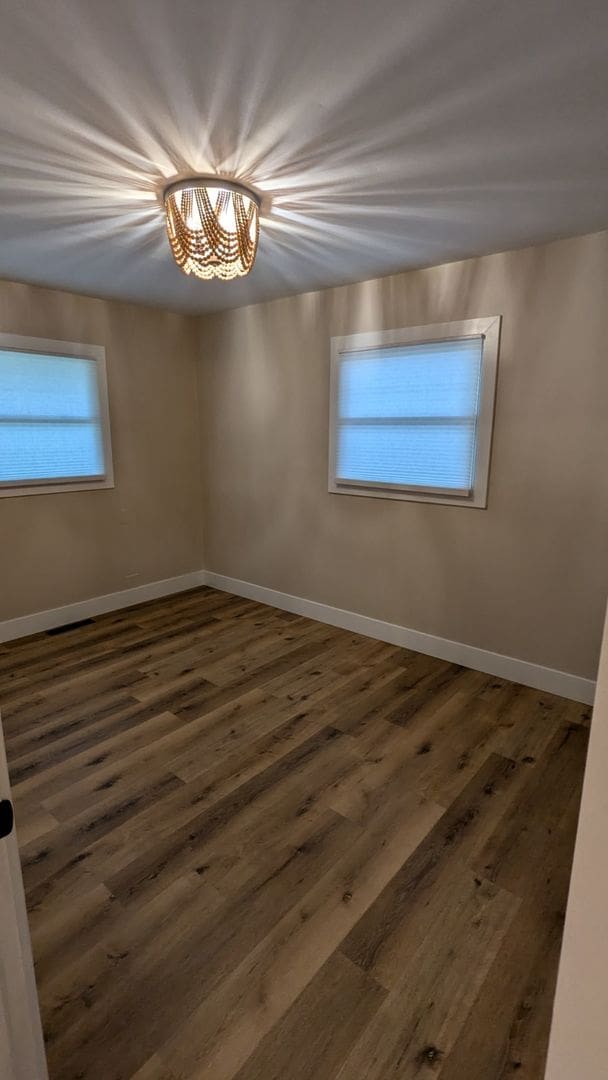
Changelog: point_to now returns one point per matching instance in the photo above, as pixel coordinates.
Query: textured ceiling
(385, 134)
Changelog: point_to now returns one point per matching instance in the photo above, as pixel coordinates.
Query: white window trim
(489, 327)
(49, 347)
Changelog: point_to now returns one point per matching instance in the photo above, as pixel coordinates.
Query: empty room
(303, 539)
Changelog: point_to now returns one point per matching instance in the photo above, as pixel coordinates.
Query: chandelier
(213, 226)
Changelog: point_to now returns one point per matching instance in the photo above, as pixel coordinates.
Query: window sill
(406, 495)
(20, 490)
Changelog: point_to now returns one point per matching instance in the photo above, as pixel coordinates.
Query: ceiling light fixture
(213, 226)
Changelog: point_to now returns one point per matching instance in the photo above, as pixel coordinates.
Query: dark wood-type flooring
(258, 847)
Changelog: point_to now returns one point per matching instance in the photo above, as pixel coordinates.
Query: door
(21, 1046)
(578, 1046)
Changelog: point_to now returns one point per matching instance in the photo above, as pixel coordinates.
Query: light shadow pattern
(382, 136)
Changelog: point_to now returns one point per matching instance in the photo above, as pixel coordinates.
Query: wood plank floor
(258, 847)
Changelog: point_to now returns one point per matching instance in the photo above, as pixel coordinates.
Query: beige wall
(579, 1036)
(59, 548)
(528, 576)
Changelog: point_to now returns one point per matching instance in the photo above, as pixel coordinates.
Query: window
(411, 412)
(54, 427)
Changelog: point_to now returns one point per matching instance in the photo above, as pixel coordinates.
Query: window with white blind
(54, 425)
(411, 412)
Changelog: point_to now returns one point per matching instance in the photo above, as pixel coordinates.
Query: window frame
(489, 329)
(79, 350)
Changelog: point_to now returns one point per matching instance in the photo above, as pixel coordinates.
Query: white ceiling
(386, 134)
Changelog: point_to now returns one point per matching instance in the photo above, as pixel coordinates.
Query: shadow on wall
(70, 546)
(528, 577)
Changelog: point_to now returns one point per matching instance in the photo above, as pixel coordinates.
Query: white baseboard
(97, 605)
(506, 667)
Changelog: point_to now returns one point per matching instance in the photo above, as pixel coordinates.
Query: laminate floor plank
(512, 853)
(439, 976)
(303, 1045)
(256, 847)
(216, 1040)
(383, 937)
(204, 944)
(520, 984)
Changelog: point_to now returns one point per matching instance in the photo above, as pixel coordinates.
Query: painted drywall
(579, 1041)
(527, 577)
(56, 549)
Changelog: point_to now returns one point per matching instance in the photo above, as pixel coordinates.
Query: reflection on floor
(256, 846)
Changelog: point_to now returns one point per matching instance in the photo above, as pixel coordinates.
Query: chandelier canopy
(213, 226)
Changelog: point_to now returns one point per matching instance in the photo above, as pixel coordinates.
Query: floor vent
(70, 626)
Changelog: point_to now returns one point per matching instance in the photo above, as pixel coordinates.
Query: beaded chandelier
(213, 226)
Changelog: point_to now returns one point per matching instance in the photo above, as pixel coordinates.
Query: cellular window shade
(407, 416)
(50, 425)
